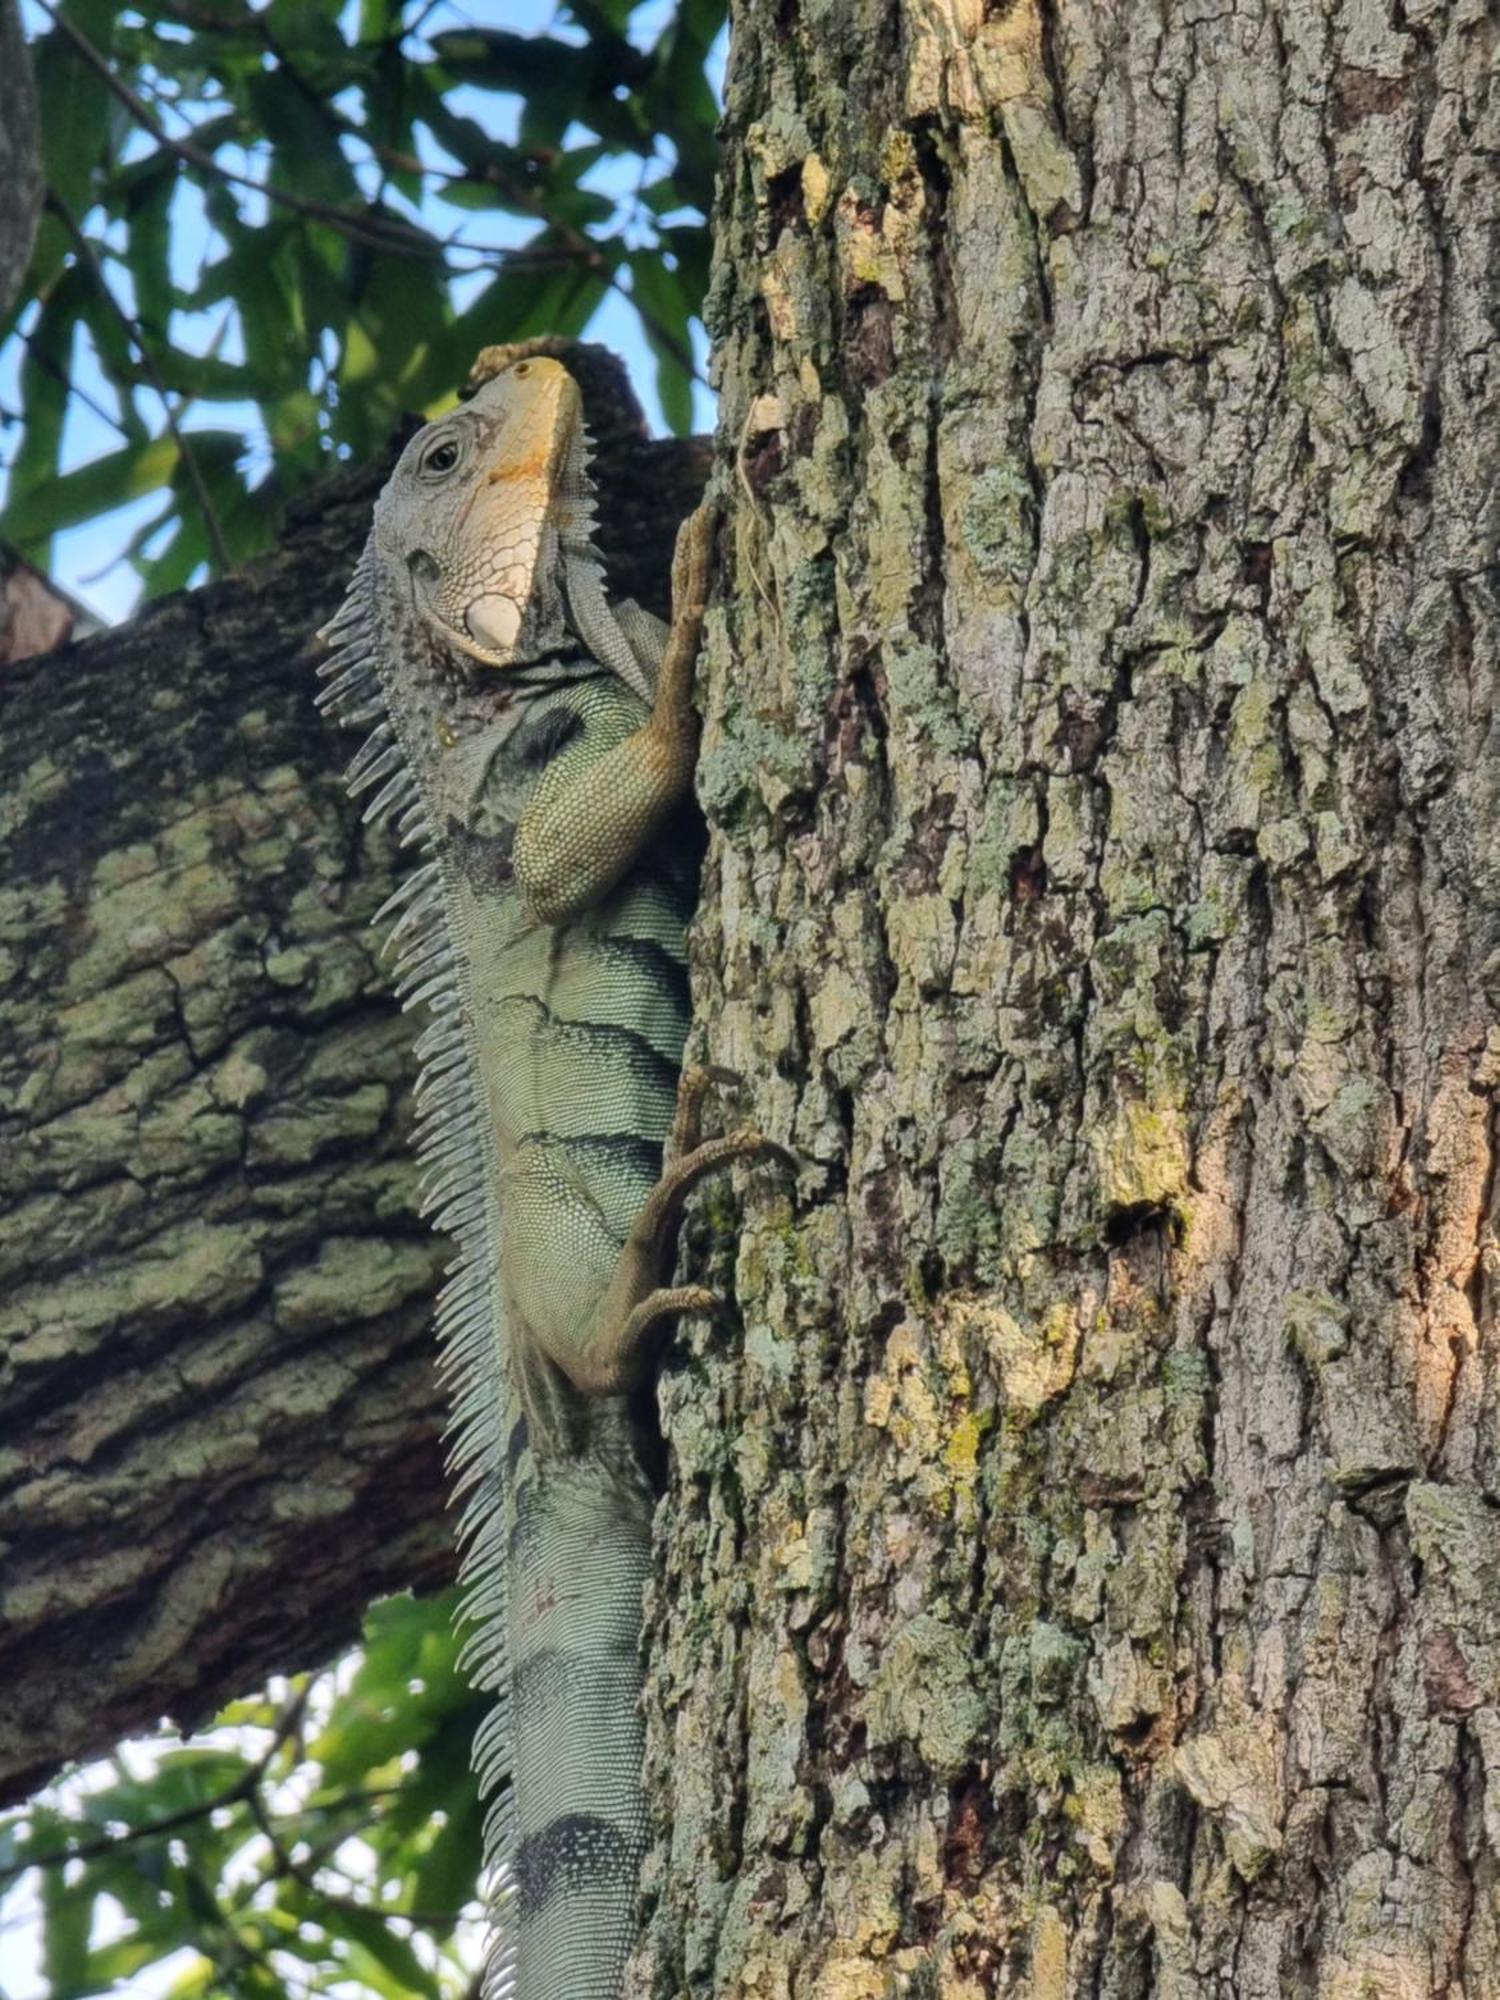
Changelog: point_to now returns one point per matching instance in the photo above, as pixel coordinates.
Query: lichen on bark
(1078, 1578)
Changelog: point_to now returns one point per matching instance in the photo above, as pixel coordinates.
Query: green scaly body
(577, 1038)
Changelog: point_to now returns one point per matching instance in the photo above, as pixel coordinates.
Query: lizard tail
(580, 1553)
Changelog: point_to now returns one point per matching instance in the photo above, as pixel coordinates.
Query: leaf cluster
(272, 230)
(323, 1842)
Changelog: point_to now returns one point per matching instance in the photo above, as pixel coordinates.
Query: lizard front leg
(585, 826)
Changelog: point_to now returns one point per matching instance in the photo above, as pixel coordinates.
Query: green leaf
(380, 20)
(310, 47)
(388, 111)
(305, 143)
(476, 194)
(558, 81)
(172, 565)
(45, 373)
(67, 1915)
(196, 1774)
(441, 1781)
(112, 1963)
(255, 1711)
(678, 102)
(49, 255)
(665, 308)
(395, 327)
(601, 18)
(73, 102)
(521, 302)
(205, 378)
(691, 244)
(519, 178)
(258, 275)
(565, 202)
(148, 209)
(93, 489)
(383, 1959)
(100, 310)
(446, 1878)
(195, 1983)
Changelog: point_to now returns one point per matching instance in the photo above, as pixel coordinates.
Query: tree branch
(244, 1790)
(20, 156)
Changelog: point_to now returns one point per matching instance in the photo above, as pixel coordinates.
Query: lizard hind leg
(636, 1302)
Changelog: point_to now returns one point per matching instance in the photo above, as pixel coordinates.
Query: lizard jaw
(496, 637)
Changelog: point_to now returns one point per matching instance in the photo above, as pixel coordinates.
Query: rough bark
(219, 1427)
(1083, 1576)
(20, 155)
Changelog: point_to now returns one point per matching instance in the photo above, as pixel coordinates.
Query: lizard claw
(664, 1303)
(692, 1094)
(685, 1172)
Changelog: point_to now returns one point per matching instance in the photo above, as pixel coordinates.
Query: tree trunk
(1082, 1577)
(219, 1422)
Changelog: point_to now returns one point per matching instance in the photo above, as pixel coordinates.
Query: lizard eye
(440, 457)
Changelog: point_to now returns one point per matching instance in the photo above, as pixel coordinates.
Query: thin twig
(244, 1787)
(681, 355)
(402, 243)
(49, 367)
(137, 339)
(285, 1864)
(415, 27)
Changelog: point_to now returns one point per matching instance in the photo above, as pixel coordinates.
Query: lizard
(537, 740)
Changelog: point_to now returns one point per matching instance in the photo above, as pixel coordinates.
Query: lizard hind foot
(692, 562)
(693, 1164)
(666, 1302)
(636, 1302)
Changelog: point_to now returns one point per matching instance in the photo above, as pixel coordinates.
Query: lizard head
(482, 511)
